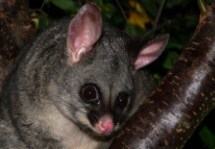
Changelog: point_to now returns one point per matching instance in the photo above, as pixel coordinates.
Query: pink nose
(105, 124)
(106, 127)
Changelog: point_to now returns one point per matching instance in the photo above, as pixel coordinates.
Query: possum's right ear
(150, 51)
(84, 31)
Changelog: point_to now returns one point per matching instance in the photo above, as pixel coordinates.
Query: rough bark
(16, 29)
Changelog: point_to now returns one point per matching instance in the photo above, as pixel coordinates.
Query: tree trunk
(16, 29)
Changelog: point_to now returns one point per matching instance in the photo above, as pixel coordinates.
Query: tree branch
(174, 110)
(159, 14)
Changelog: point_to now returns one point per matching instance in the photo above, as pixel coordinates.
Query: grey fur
(41, 107)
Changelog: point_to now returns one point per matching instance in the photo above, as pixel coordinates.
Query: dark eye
(90, 93)
(123, 100)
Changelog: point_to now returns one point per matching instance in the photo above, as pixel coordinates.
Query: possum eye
(123, 100)
(90, 94)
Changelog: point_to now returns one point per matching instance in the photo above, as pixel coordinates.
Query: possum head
(98, 87)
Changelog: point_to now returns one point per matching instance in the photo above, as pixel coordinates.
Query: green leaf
(170, 59)
(133, 30)
(97, 2)
(171, 4)
(207, 137)
(66, 5)
(108, 11)
(157, 78)
(44, 23)
(150, 6)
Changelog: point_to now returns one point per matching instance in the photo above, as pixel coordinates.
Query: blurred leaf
(43, 23)
(133, 30)
(150, 6)
(118, 21)
(157, 78)
(172, 3)
(36, 21)
(66, 5)
(210, 1)
(191, 23)
(108, 10)
(139, 17)
(97, 2)
(170, 59)
(172, 44)
(207, 137)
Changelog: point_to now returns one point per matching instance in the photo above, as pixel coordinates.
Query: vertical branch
(202, 6)
(159, 14)
(122, 11)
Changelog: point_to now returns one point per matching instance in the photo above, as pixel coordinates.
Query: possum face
(99, 96)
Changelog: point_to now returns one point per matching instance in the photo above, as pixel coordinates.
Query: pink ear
(151, 51)
(84, 31)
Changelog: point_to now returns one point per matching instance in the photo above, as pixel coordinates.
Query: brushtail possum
(75, 85)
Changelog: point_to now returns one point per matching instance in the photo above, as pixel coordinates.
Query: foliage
(207, 137)
(178, 18)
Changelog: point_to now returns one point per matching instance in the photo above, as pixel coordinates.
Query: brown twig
(159, 13)
(168, 22)
(121, 10)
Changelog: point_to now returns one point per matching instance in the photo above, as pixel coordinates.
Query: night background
(179, 18)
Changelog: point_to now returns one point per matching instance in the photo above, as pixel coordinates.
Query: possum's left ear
(150, 51)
